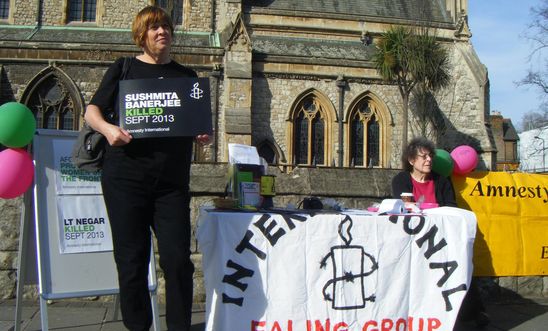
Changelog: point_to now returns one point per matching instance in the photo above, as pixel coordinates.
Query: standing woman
(146, 184)
(418, 178)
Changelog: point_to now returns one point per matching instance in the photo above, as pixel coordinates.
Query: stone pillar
(238, 88)
(341, 84)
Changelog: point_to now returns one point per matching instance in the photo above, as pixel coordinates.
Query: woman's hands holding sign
(115, 135)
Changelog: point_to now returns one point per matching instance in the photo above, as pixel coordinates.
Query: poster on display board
(83, 224)
(82, 219)
(68, 178)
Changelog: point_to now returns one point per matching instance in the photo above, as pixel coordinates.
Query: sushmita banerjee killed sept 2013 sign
(171, 107)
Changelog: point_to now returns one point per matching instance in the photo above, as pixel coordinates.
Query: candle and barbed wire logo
(346, 290)
(196, 92)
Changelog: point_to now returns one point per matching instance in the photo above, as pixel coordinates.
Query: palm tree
(408, 58)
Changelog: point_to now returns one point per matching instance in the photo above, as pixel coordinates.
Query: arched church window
(309, 135)
(54, 100)
(365, 135)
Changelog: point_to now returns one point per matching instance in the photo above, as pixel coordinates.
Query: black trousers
(138, 202)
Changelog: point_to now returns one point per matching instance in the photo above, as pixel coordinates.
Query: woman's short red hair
(147, 17)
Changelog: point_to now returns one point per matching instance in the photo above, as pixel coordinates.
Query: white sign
(83, 224)
(344, 272)
(68, 178)
(245, 154)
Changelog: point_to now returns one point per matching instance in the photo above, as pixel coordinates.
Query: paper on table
(238, 153)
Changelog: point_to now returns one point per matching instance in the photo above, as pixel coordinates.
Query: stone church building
(293, 78)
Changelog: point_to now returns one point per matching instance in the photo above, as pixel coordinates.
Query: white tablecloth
(335, 271)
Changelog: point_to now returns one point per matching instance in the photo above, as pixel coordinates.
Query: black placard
(170, 107)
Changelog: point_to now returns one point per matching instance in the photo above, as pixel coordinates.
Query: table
(339, 271)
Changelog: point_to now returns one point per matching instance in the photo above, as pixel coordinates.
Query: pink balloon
(16, 172)
(465, 159)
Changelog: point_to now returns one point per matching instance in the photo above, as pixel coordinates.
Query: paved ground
(68, 315)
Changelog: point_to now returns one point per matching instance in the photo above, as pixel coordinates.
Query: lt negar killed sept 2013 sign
(166, 107)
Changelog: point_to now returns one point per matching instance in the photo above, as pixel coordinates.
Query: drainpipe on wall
(38, 23)
(215, 75)
(341, 84)
(212, 26)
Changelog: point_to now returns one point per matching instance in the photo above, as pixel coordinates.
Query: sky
(498, 28)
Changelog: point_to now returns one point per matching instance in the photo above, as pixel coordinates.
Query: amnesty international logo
(346, 289)
(196, 92)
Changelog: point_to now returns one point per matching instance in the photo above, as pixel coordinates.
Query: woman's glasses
(426, 156)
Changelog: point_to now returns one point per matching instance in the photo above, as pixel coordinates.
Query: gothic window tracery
(365, 134)
(310, 132)
(54, 100)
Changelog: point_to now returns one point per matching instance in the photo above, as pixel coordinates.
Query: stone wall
(197, 15)
(10, 215)
(353, 188)
(113, 17)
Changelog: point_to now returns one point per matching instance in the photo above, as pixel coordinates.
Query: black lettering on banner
(241, 272)
(407, 224)
(530, 192)
(430, 237)
(245, 243)
(544, 254)
(393, 218)
(479, 189)
(493, 191)
(448, 269)
(235, 301)
(447, 293)
(289, 220)
(267, 231)
(234, 280)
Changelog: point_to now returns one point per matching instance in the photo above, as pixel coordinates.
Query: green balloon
(17, 125)
(442, 163)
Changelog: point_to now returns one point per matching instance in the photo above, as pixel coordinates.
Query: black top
(445, 195)
(169, 157)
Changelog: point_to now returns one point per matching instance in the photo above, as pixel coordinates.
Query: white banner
(337, 272)
(83, 224)
(68, 178)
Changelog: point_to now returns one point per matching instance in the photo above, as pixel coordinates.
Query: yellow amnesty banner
(512, 213)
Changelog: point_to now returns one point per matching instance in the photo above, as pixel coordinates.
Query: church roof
(434, 10)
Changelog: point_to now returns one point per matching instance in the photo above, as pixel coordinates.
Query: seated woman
(428, 186)
(418, 178)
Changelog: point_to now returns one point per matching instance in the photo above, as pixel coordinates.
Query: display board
(74, 249)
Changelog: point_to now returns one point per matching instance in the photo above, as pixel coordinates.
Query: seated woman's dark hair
(412, 150)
